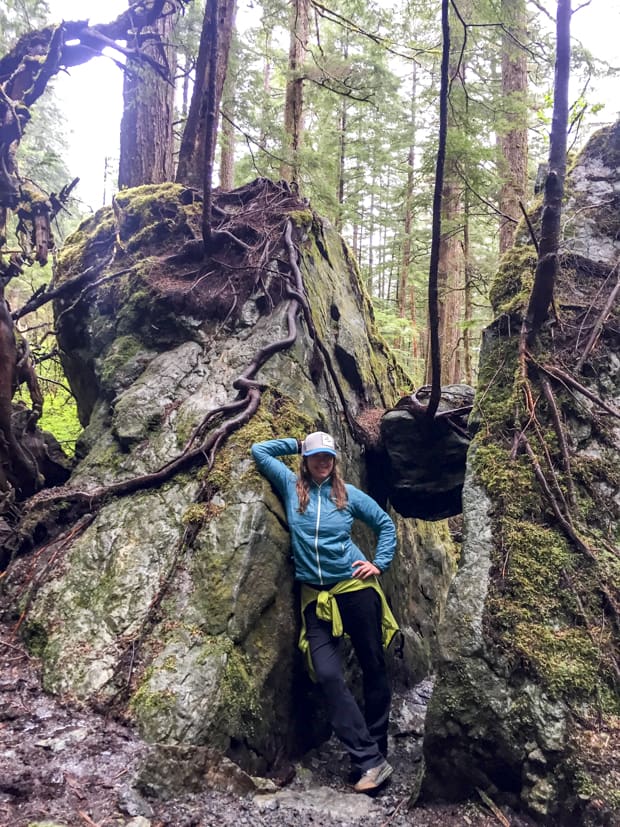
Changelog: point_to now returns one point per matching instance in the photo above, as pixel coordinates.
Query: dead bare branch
(599, 324)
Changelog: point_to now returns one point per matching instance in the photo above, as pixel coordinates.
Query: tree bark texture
(217, 28)
(146, 151)
(227, 137)
(513, 137)
(549, 242)
(468, 361)
(210, 107)
(294, 100)
(342, 158)
(227, 152)
(451, 278)
(450, 264)
(267, 72)
(406, 260)
(343, 147)
(433, 275)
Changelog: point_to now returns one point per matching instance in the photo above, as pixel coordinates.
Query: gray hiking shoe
(373, 778)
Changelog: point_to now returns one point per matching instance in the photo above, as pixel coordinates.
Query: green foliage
(44, 147)
(59, 409)
(401, 335)
(60, 416)
(20, 16)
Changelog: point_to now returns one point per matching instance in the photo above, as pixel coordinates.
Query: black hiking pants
(363, 735)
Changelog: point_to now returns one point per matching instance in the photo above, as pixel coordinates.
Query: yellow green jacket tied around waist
(327, 610)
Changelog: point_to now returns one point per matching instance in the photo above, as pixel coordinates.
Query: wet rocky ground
(61, 764)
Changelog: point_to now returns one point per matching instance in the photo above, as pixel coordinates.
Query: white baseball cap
(318, 443)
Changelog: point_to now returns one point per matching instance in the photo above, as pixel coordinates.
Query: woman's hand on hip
(363, 569)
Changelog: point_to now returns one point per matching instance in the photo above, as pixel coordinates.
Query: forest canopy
(341, 100)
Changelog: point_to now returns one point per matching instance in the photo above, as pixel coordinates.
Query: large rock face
(526, 703)
(174, 598)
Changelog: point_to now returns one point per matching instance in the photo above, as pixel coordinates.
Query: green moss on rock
(90, 243)
(194, 514)
(150, 705)
(512, 285)
(301, 218)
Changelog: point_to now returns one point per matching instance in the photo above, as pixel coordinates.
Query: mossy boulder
(176, 601)
(526, 706)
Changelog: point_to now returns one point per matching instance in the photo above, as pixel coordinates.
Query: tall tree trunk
(434, 348)
(342, 146)
(227, 137)
(371, 239)
(342, 157)
(210, 107)
(405, 263)
(415, 336)
(548, 247)
(386, 273)
(146, 151)
(467, 344)
(451, 266)
(451, 277)
(513, 137)
(267, 69)
(294, 101)
(227, 149)
(216, 29)
(185, 88)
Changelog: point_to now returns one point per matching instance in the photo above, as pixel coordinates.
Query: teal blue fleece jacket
(323, 550)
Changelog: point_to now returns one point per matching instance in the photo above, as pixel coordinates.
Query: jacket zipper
(316, 535)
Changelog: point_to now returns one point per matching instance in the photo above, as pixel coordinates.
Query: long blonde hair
(304, 481)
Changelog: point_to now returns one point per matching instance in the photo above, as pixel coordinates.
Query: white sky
(91, 95)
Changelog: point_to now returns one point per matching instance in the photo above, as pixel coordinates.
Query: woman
(340, 592)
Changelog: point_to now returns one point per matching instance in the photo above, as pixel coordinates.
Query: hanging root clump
(256, 255)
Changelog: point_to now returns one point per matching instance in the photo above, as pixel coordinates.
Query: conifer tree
(513, 132)
(198, 142)
(146, 141)
(294, 96)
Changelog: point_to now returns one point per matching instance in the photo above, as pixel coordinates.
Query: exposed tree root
(563, 519)
(206, 439)
(548, 392)
(570, 380)
(598, 325)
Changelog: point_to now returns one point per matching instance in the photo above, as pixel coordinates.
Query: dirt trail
(65, 764)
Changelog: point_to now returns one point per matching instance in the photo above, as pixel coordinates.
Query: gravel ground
(67, 765)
